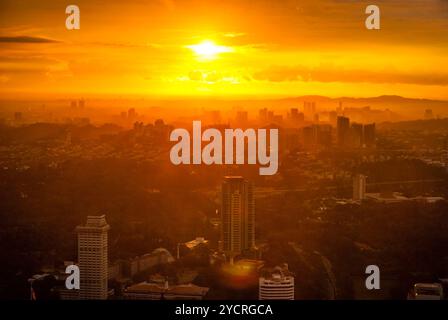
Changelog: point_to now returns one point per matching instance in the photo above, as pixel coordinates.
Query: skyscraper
(356, 135)
(369, 135)
(92, 256)
(238, 215)
(343, 128)
(276, 284)
(359, 187)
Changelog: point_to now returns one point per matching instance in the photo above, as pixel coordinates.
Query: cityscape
(347, 195)
(223, 150)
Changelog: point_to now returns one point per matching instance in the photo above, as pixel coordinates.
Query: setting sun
(208, 49)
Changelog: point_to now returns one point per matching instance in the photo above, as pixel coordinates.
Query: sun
(208, 50)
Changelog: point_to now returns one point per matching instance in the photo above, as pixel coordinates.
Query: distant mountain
(379, 99)
(434, 125)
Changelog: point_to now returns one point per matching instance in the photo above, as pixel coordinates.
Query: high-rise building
(369, 135)
(343, 129)
(238, 215)
(294, 113)
(276, 284)
(317, 135)
(92, 257)
(324, 135)
(356, 135)
(359, 187)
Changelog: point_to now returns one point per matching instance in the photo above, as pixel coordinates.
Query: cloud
(333, 74)
(26, 39)
(234, 34)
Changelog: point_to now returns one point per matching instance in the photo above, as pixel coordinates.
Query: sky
(230, 49)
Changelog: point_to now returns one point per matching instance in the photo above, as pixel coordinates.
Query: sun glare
(208, 49)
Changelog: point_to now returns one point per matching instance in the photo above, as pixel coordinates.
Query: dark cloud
(26, 39)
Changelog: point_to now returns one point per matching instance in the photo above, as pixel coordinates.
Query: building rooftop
(193, 243)
(94, 223)
(277, 273)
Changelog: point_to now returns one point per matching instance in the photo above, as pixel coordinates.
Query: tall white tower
(92, 257)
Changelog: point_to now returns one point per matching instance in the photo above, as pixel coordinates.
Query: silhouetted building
(355, 135)
(369, 135)
(296, 117)
(294, 113)
(238, 215)
(343, 128)
(317, 136)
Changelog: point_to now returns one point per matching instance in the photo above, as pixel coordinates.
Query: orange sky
(268, 48)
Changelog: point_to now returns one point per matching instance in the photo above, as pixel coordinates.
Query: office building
(92, 257)
(238, 215)
(369, 135)
(356, 135)
(343, 128)
(276, 284)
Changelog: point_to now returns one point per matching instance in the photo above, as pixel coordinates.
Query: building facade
(93, 258)
(276, 284)
(238, 215)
